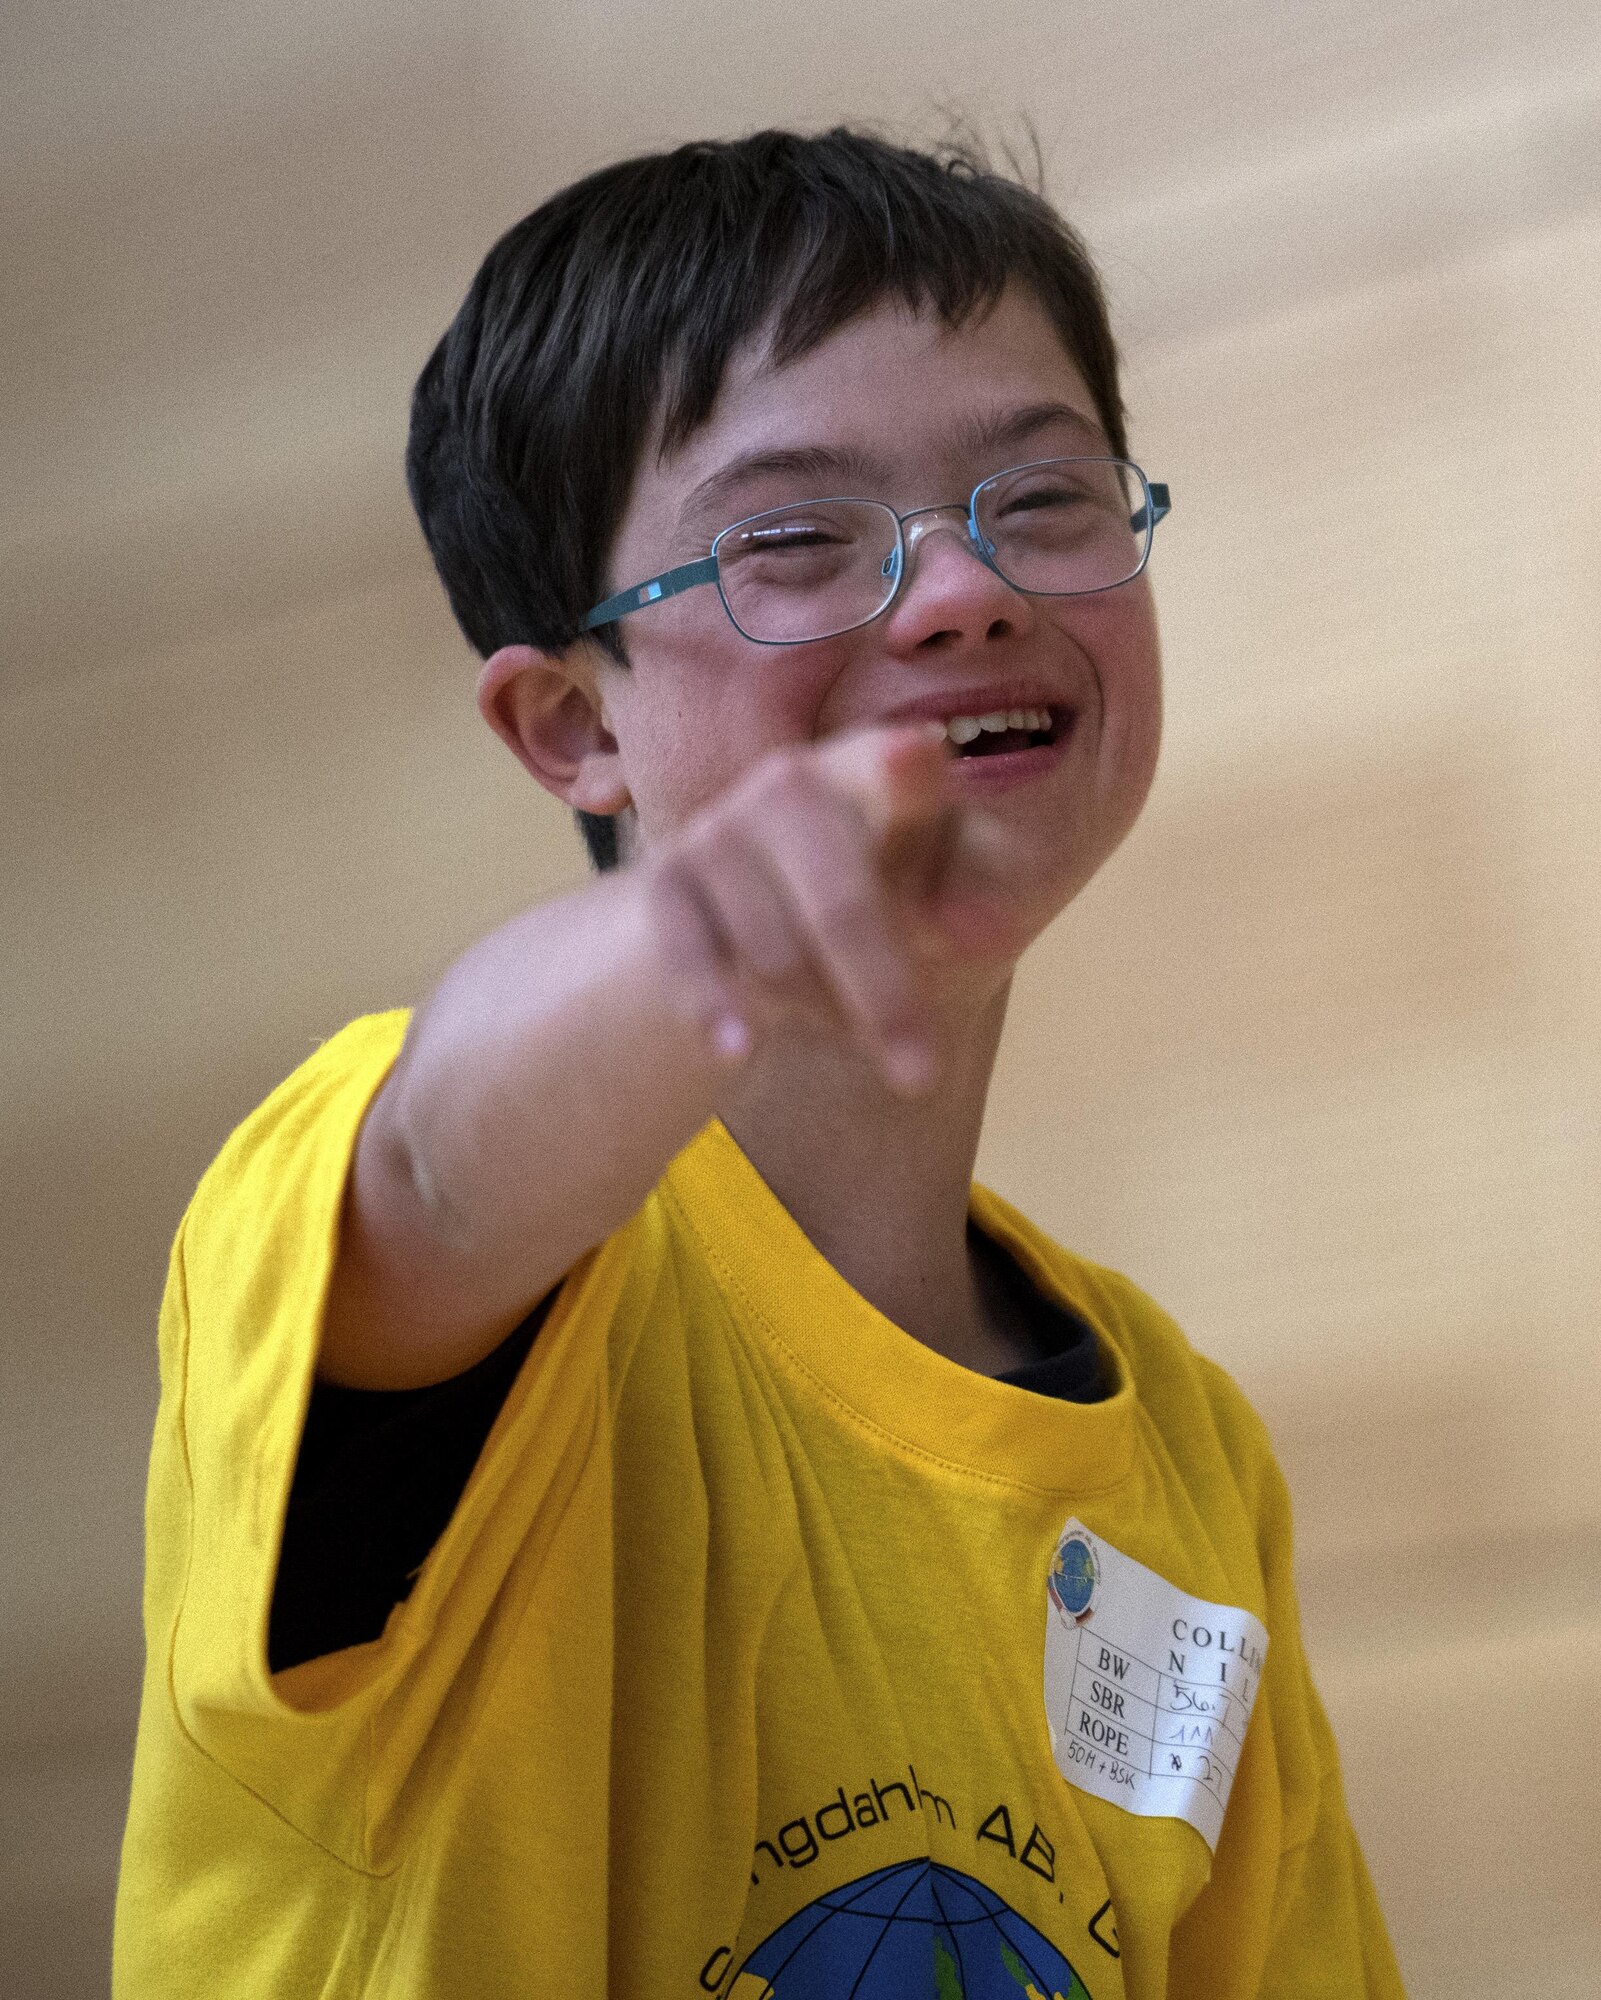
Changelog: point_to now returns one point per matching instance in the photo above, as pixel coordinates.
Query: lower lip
(1002, 769)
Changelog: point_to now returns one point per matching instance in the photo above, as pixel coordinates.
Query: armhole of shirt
(377, 1478)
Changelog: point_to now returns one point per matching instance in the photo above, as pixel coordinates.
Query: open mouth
(1004, 730)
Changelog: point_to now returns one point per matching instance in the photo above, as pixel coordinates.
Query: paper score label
(1147, 1690)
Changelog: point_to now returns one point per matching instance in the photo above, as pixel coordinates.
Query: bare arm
(541, 1089)
(565, 1058)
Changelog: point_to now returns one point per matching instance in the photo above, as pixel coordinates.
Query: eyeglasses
(1063, 527)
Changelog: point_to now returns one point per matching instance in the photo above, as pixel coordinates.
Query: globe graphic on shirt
(914, 1931)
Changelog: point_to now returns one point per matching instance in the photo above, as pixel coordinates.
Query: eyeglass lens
(1062, 528)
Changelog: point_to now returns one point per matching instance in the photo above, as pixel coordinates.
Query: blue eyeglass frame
(1157, 505)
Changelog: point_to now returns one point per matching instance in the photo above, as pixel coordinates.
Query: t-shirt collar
(836, 1346)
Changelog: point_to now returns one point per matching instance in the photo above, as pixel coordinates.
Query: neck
(880, 1183)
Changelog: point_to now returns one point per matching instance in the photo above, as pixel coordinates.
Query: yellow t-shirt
(731, 1673)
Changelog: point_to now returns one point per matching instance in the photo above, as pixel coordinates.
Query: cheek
(670, 758)
(691, 722)
(1127, 654)
(1141, 719)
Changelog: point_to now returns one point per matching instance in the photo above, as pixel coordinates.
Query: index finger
(896, 773)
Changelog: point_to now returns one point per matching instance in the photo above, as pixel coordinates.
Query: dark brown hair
(620, 302)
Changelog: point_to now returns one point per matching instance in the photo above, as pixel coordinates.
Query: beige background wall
(1315, 1060)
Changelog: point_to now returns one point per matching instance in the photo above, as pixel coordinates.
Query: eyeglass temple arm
(652, 591)
(1161, 507)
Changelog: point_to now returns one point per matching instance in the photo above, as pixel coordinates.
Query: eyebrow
(837, 467)
(825, 464)
(1005, 429)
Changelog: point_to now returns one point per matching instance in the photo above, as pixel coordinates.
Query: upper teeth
(963, 728)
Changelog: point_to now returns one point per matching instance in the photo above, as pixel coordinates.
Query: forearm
(542, 1088)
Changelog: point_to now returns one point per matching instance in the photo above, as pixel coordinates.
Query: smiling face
(895, 407)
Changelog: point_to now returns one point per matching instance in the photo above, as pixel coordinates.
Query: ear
(546, 708)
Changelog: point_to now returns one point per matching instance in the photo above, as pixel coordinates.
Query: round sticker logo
(1075, 1576)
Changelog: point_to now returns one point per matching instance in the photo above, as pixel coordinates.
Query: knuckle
(667, 887)
(677, 898)
(699, 838)
(679, 917)
(848, 910)
(785, 779)
(871, 977)
(775, 955)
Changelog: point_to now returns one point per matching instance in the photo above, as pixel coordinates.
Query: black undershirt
(380, 1472)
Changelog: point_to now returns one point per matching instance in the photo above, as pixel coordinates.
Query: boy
(627, 1515)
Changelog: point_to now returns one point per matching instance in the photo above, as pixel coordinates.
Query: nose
(954, 589)
(926, 521)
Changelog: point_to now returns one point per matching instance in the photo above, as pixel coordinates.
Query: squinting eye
(1043, 496)
(792, 538)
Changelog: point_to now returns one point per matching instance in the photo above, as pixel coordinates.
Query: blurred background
(1315, 1060)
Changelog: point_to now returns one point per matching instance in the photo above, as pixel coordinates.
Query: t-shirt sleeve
(326, 1744)
(241, 1325)
(1327, 1932)
(1329, 1938)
